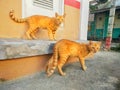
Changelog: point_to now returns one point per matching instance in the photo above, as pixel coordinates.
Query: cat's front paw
(51, 39)
(63, 74)
(84, 68)
(49, 74)
(55, 39)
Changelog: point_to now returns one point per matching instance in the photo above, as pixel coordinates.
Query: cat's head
(60, 18)
(94, 46)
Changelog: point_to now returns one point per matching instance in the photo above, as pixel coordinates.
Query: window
(118, 16)
(46, 4)
(42, 7)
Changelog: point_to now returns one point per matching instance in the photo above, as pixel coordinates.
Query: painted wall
(100, 19)
(16, 68)
(116, 31)
(10, 69)
(99, 26)
(10, 29)
(117, 19)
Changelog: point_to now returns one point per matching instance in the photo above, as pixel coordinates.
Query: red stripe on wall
(72, 3)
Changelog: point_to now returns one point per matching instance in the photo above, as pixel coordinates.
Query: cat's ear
(99, 43)
(64, 15)
(90, 42)
(56, 14)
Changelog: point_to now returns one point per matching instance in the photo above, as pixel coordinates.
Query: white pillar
(84, 14)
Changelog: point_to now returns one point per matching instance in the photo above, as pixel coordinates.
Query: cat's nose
(95, 51)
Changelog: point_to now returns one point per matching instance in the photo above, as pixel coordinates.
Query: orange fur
(40, 22)
(64, 49)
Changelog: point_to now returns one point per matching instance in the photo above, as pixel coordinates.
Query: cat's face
(59, 17)
(94, 46)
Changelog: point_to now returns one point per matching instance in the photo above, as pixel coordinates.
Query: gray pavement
(103, 73)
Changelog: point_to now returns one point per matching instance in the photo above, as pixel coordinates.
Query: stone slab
(17, 48)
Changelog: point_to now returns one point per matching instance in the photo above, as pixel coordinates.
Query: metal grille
(46, 4)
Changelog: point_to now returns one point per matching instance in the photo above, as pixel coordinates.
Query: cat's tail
(54, 62)
(18, 20)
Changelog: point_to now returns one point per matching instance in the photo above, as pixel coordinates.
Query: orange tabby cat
(40, 22)
(64, 49)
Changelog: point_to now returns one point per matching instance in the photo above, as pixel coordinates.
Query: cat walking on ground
(64, 49)
(37, 22)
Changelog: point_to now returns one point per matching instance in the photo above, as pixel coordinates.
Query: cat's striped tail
(18, 20)
(55, 61)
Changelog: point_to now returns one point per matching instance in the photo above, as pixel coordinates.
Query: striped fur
(64, 49)
(52, 63)
(37, 22)
(18, 20)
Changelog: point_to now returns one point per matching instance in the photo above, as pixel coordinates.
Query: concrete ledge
(17, 48)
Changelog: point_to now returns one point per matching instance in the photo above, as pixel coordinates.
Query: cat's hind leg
(49, 66)
(33, 34)
(28, 33)
(61, 62)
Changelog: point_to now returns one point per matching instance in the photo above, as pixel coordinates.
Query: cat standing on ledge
(36, 22)
(64, 49)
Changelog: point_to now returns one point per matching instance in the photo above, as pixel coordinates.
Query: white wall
(117, 2)
(84, 13)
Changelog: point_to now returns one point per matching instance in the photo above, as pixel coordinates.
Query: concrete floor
(103, 73)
